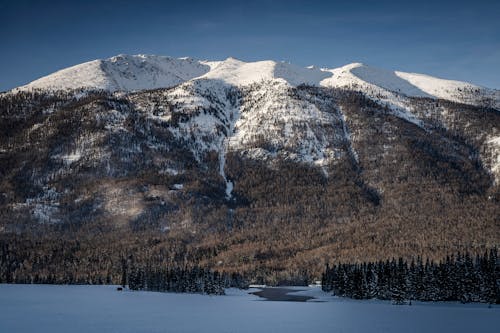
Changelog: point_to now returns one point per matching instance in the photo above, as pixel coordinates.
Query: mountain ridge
(141, 72)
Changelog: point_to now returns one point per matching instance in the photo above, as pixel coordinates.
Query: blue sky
(450, 39)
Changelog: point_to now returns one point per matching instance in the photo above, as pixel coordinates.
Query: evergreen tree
(457, 278)
(124, 273)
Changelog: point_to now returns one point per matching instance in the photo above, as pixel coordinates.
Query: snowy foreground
(46, 308)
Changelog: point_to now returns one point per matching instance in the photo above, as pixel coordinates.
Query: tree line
(180, 279)
(459, 277)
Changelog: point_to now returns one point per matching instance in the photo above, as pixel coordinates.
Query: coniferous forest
(181, 280)
(457, 278)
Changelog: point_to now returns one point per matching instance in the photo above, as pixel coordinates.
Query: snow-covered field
(46, 308)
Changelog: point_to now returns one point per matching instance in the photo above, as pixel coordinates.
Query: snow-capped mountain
(248, 102)
(142, 72)
(123, 73)
(273, 115)
(199, 149)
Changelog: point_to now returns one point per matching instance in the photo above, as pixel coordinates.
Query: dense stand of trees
(458, 278)
(182, 280)
(69, 261)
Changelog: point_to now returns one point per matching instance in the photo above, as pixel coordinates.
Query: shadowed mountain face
(387, 80)
(266, 177)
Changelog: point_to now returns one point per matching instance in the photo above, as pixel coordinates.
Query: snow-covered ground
(46, 308)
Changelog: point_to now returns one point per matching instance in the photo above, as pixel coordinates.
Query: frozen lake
(54, 309)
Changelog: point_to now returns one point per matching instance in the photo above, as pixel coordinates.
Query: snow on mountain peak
(140, 72)
(375, 81)
(237, 72)
(123, 72)
(362, 75)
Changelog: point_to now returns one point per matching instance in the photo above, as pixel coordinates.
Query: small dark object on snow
(119, 288)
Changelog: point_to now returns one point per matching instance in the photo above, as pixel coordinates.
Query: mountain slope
(376, 82)
(124, 73)
(264, 168)
(240, 73)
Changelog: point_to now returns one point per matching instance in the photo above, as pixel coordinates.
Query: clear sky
(451, 39)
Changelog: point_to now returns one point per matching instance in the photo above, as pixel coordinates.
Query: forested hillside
(268, 180)
(261, 168)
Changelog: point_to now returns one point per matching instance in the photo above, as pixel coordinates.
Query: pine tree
(399, 283)
(124, 273)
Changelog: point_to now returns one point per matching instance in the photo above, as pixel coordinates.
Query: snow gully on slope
(224, 149)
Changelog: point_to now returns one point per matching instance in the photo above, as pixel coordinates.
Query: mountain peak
(123, 72)
(141, 72)
(353, 65)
